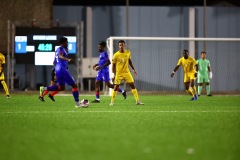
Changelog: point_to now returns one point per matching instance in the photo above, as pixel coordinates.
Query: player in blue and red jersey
(103, 72)
(63, 76)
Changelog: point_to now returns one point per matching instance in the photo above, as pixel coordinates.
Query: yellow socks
(135, 94)
(194, 90)
(5, 87)
(190, 92)
(114, 93)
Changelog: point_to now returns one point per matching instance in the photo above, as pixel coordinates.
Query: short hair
(203, 52)
(121, 41)
(102, 43)
(185, 50)
(63, 39)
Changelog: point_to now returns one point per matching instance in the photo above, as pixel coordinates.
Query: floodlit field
(167, 127)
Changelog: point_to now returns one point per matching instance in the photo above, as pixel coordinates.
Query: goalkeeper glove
(210, 75)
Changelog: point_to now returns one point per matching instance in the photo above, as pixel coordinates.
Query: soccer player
(103, 72)
(188, 63)
(2, 79)
(52, 83)
(120, 62)
(63, 76)
(204, 74)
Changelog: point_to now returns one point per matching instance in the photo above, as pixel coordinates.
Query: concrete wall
(22, 12)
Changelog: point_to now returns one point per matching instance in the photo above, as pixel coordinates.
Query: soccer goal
(154, 59)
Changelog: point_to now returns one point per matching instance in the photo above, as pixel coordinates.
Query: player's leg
(114, 93)
(124, 92)
(200, 88)
(5, 87)
(53, 93)
(200, 83)
(208, 89)
(130, 81)
(207, 83)
(97, 91)
(61, 81)
(117, 81)
(187, 86)
(194, 90)
(188, 90)
(71, 82)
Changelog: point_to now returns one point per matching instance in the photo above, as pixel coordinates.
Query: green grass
(167, 127)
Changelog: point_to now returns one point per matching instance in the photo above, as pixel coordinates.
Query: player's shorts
(103, 76)
(203, 78)
(189, 76)
(53, 75)
(2, 77)
(127, 77)
(63, 76)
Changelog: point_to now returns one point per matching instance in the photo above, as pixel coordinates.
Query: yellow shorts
(2, 77)
(189, 76)
(127, 77)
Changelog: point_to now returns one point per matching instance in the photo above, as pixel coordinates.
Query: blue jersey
(60, 63)
(103, 58)
(103, 73)
(61, 68)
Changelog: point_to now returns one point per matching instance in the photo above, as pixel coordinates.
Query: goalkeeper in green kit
(204, 74)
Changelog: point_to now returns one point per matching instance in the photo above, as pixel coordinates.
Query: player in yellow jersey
(2, 63)
(189, 65)
(120, 62)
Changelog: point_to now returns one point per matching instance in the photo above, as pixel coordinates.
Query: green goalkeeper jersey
(203, 66)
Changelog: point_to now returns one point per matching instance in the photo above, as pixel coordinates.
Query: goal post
(155, 57)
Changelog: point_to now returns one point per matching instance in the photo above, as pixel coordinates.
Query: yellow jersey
(121, 61)
(2, 61)
(188, 64)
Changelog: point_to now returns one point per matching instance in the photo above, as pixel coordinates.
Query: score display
(36, 45)
(42, 43)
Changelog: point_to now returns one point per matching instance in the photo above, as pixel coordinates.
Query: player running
(188, 63)
(63, 76)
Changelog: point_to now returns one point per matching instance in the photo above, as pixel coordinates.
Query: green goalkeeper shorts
(203, 79)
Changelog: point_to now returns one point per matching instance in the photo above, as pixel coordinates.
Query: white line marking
(86, 111)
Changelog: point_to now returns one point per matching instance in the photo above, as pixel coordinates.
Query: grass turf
(166, 127)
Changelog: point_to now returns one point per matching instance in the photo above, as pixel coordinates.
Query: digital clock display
(33, 44)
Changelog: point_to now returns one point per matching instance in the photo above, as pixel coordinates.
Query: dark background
(147, 2)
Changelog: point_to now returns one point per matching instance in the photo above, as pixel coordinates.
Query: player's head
(121, 45)
(63, 42)
(203, 54)
(185, 53)
(101, 46)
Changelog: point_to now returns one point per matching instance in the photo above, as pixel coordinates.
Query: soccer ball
(85, 102)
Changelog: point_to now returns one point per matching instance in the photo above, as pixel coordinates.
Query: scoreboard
(38, 45)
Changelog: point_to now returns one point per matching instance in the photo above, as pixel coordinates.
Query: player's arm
(94, 66)
(131, 64)
(104, 65)
(65, 58)
(174, 70)
(3, 63)
(196, 69)
(210, 71)
(113, 70)
(2, 69)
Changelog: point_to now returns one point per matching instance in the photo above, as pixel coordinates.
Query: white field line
(86, 111)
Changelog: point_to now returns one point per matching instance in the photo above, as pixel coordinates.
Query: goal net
(154, 58)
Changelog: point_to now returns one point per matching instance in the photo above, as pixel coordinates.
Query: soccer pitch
(168, 127)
